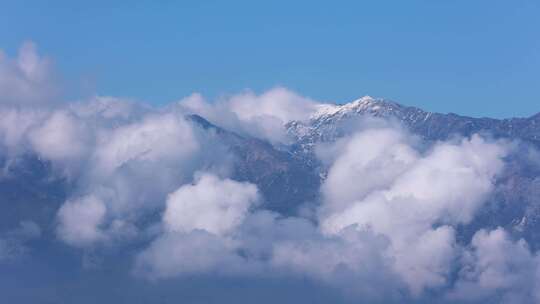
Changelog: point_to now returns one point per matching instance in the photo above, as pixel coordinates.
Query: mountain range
(289, 176)
(293, 174)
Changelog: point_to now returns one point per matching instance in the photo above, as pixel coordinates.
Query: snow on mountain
(327, 122)
(366, 104)
(291, 176)
(515, 204)
(325, 125)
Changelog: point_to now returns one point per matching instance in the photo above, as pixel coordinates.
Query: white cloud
(380, 182)
(263, 116)
(124, 156)
(198, 220)
(80, 221)
(61, 137)
(352, 261)
(278, 103)
(156, 138)
(367, 161)
(106, 109)
(176, 254)
(387, 221)
(132, 167)
(211, 204)
(27, 79)
(15, 125)
(496, 267)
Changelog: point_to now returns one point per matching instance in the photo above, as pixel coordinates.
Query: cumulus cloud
(360, 158)
(262, 116)
(279, 103)
(214, 205)
(60, 137)
(107, 110)
(132, 167)
(178, 254)
(121, 160)
(389, 213)
(198, 221)
(15, 127)
(80, 221)
(415, 199)
(156, 138)
(396, 233)
(27, 79)
(264, 243)
(497, 268)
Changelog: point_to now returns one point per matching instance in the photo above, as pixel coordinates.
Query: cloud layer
(158, 186)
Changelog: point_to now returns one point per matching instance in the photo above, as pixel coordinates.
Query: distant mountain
(324, 125)
(515, 204)
(284, 181)
(290, 176)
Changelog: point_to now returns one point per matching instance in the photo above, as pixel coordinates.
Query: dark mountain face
(285, 182)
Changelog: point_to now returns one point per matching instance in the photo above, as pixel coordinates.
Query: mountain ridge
(367, 100)
(289, 177)
(430, 125)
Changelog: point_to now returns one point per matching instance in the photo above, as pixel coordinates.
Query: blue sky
(479, 58)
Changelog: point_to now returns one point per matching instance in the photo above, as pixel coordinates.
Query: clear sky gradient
(479, 58)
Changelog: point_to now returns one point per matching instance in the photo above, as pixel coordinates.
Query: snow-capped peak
(366, 103)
